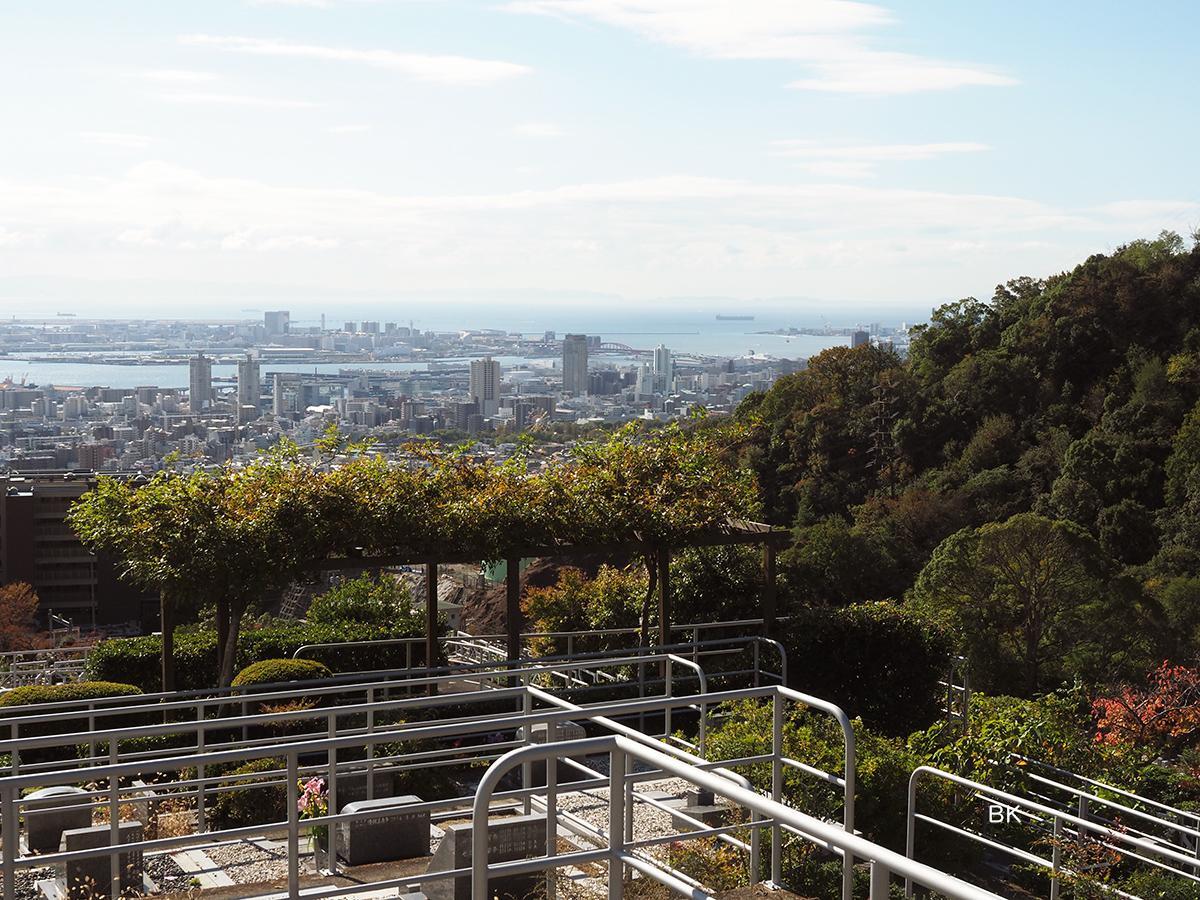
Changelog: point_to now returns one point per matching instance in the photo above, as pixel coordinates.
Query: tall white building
(575, 364)
(664, 370)
(485, 385)
(644, 389)
(200, 391)
(249, 384)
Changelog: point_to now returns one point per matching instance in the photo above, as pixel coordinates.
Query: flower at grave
(313, 803)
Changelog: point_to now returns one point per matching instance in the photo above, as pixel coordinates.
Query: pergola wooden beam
(733, 533)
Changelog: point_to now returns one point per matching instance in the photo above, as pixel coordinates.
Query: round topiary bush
(55, 693)
(25, 700)
(273, 671)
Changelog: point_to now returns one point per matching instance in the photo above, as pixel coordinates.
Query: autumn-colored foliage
(1164, 712)
(18, 617)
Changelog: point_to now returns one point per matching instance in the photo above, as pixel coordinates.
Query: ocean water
(685, 333)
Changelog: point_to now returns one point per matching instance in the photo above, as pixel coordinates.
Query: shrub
(138, 660)
(53, 693)
(373, 600)
(875, 660)
(25, 700)
(273, 671)
(241, 803)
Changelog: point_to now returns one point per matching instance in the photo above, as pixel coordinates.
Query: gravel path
(26, 879)
(248, 863)
(166, 873)
(648, 821)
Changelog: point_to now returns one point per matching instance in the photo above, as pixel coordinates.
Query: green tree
(370, 599)
(575, 602)
(1023, 594)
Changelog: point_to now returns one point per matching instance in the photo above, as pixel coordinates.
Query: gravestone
(567, 731)
(90, 878)
(352, 787)
(700, 803)
(52, 810)
(517, 837)
(393, 831)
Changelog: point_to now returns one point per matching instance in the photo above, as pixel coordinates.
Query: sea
(685, 333)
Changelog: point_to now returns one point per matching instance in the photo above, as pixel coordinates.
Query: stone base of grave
(702, 805)
(517, 837)
(393, 831)
(56, 889)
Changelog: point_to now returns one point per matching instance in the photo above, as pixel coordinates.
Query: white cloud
(117, 139)
(443, 69)
(832, 160)
(538, 130)
(349, 129)
(218, 99)
(674, 234)
(826, 36)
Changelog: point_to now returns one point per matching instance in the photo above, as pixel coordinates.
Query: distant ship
(721, 318)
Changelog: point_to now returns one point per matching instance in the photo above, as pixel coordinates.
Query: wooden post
(512, 608)
(664, 596)
(768, 600)
(431, 618)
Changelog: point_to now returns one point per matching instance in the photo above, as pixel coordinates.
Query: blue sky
(187, 158)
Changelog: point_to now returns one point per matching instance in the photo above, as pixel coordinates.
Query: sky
(169, 158)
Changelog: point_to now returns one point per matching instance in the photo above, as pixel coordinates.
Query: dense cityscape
(383, 380)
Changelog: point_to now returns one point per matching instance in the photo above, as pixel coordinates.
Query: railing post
(616, 823)
(331, 805)
(880, 881)
(527, 767)
(777, 786)
(200, 816)
(293, 825)
(667, 693)
(910, 829)
(371, 744)
(1056, 859)
(8, 814)
(114, 822)
(551, 811)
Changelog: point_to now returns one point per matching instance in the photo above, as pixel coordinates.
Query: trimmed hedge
(875, 660)
(53, 693)
(271, 671)
(138, 660)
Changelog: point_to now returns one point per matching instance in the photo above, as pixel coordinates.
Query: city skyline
(552, 153)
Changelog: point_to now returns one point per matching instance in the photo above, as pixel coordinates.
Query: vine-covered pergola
(226, 539)
(739, 532)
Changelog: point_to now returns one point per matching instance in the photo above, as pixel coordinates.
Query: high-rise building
(860, 339)
(200, 391)
(644, 389)
(38, 546)
(664, 370)
(370, 327)
(249, 384)
(575, 364)
(485, 385)
(350, 327)
(275, 322)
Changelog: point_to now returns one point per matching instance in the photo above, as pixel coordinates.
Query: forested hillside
(1030, 475)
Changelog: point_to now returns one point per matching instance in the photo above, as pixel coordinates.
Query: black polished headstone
(393, 831)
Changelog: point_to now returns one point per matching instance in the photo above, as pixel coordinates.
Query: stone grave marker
(393, 831)
(567, 731)
(90, 878)
(48, 814)
(516, 837)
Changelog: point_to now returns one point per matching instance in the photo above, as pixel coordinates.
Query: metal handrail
(883, 862)
(1059, 820)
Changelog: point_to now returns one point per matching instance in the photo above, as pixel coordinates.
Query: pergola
(732, 532)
